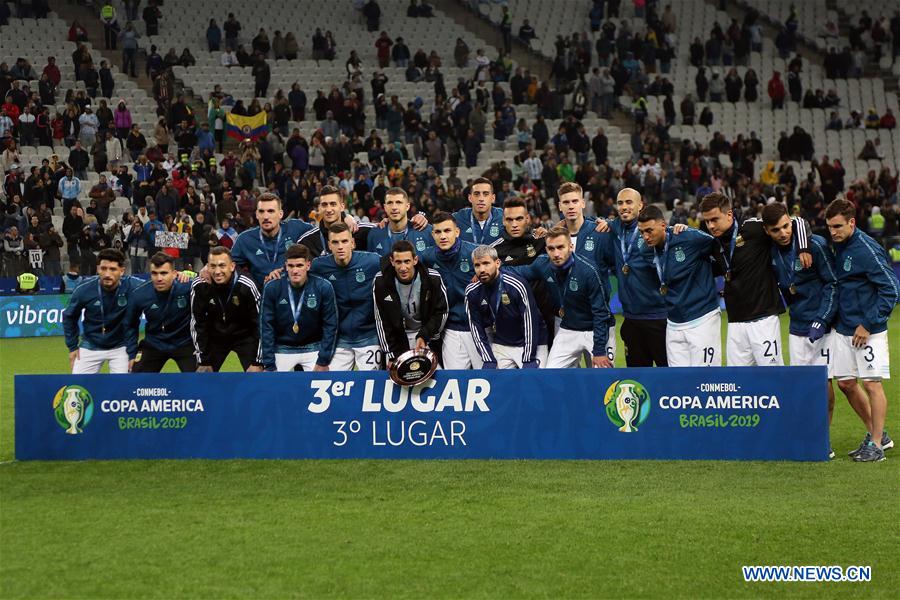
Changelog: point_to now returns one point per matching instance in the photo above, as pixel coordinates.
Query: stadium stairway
(89, 17)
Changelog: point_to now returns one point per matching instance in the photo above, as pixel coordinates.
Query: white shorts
(287, 361)
(365, 358)
(90, 361)
(695, 344)
(569, 347)
(510, 357)
(872, 361)
(459, 352)
(803, 352)
(754, 343)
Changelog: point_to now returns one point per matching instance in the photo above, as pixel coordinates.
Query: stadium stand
(652, 56)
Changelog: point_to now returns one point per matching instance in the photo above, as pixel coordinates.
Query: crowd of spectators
(173, 182)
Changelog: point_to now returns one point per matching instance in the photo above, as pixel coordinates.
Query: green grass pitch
(274, 529)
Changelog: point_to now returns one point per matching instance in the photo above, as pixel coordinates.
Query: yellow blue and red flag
(246, 128)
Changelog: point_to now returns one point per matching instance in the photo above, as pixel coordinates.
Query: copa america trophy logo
(627, 404)
(414, 367)
(73, 408)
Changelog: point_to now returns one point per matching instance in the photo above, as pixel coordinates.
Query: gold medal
(295, 328)
(626, 269)
(663, 289)
(562, 312)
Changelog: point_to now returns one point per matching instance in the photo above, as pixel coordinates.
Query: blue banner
(773, 413)
(32, 316)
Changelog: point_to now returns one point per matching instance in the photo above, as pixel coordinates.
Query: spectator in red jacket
(776, 90)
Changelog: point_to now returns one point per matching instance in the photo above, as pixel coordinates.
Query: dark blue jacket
(318, 322)
(86, 300)
(579, 291)
(596, 248)
(381, 239)
(471, 231)
(353, 292)
(508, 305)
(816, 287)
(455, 267)
(688, 274)
(168, 316)
(867, 286)
(262, 254)
(639, 289)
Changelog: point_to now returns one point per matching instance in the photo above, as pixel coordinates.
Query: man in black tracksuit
(518, 246)
(752, 298)
(225, 316)
(410, 303)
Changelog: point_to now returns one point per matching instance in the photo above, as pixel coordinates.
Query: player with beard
(589, 244)
(518, 246)
(102, 302)
(752, 298)
(684, 270)
(261, 249)
(225, 315)
(165, 302)
(410, 303)
(580, 300)
(396, 205)
(503, 316)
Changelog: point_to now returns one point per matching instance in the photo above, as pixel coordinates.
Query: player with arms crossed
(684, 268)
(589, 244)
(225, 315)
(503, 316)
(103, 301)
(581, 302)
(351, 273)
(165, 303)
(396, 205)
(867, 293)
(751, 290)
(452, 258)
(297, 317)
(410, 303)
(811, 296)
(482, 223)
(261, 249)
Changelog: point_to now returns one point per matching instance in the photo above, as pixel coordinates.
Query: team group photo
(449, 298)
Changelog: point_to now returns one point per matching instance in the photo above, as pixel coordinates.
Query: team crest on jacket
(311, 301)
(848, 263)
(360, 276)
(236, 301)
(739, 241)
(504, 298)
(573, 284)
(122, 301)
(530, 251)
(181, 302)
(679, 254)
(798, 266)
(420, 245)
(589, 245)
(464, 267)
(495, 230)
